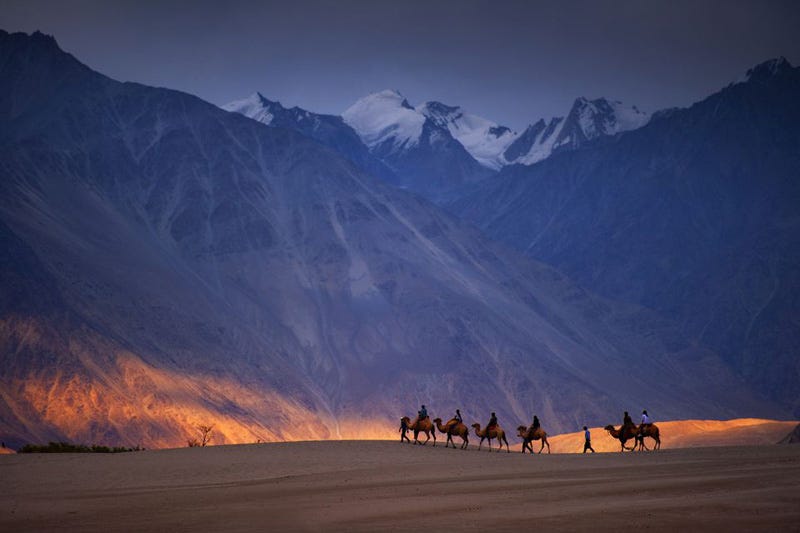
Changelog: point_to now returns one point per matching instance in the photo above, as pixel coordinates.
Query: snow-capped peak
(385, 116)
(256, 107)
(606, 117)
(768, 69)
(587, 120)
(483, 139)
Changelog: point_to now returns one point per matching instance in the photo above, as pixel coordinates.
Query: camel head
(522, 431)
(437, 421)
(609, 428)
(476, 426)
(405, 419)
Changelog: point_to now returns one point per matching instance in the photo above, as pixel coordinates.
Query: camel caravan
(455, 427)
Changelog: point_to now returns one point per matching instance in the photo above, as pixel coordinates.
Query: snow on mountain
(385, 116)
(256, 107)
(330, 130)
(586, 121)
(483, 139)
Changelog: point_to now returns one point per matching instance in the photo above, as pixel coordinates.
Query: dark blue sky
(512, 62)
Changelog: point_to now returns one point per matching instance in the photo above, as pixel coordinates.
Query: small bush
(66, 447)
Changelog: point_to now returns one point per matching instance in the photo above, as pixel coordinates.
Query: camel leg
(508, 450)
(434, 437)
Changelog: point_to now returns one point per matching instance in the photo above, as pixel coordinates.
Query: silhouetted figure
(403, 430)
(536, 425)
(627, 421)
(588, 444)
(492, 423)
(422, 413)
(458, 417)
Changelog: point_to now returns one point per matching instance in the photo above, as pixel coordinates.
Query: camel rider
(536, 425)
(456, 420)
(627, 421)
(423, 413)
(645, 422)
(492, 423)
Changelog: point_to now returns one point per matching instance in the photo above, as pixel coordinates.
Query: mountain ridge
(708, 193)
(193, 266)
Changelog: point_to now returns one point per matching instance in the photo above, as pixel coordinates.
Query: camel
(453, 427)
(421, 426)
(650, 430)
(496, 433)
(637, 434)
(630, 432)
(529, 436)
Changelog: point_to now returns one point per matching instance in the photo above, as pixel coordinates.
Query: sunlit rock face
(695, 215)
(167, 264)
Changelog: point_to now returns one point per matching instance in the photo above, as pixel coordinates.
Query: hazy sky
(512, 62)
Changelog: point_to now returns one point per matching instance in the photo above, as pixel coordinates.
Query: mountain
(167, 264)
(425, 156)
(483, 139)
(695, 215)
(586, 121)
(437, 150)
(329, 130)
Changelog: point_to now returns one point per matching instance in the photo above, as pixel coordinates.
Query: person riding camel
(536, 425)
(492, 423)
(627, 421)
(423, 413)
(456, 420)
(645, 422)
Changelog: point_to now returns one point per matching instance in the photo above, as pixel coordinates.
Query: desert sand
(382, 485)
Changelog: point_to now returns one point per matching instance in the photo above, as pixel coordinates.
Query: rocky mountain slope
(167, 264)
(695, 215)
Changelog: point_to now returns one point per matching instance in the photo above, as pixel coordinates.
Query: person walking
(404, 430)
(588, 444)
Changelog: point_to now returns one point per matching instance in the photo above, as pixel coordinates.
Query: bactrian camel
(421, 426)
(494, 433)
(453, 427)
(637, 434)
(527, 435)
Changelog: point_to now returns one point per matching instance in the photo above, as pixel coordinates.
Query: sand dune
(685, 434)
(379, 485)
